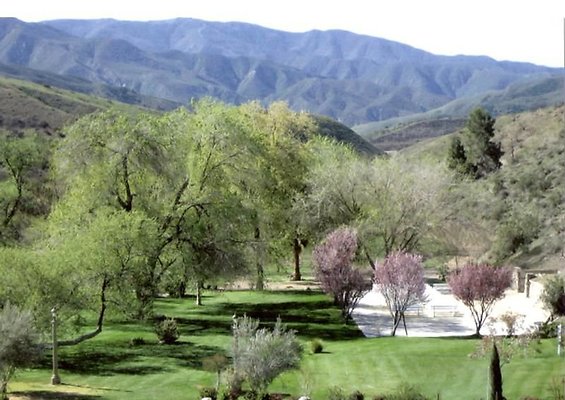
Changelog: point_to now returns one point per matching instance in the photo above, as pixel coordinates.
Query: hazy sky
(516, 30)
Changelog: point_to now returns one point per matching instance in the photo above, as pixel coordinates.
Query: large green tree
(275, 179)
(175, 170)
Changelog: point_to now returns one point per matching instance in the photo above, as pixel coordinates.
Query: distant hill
(121, 94)
(25, 105)
(524, 95)
(352, 78)
(43, 108)
(341, 133)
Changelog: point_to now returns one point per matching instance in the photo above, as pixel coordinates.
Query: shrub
(512, 321)
(442, 272)
(405, 392)
(316, 346)
(208, 392)
(356, 395)
(547, 330)
(136, 341)
(335, 393)
(215, 363)
(167, 331)
(17, 343)
(260, 355)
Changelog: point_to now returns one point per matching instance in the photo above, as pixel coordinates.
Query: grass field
(108, 367)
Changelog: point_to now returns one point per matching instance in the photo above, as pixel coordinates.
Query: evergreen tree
(475, 153)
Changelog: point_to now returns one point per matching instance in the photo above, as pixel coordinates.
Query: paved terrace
(443, 315)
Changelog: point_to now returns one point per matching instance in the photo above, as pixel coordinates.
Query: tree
(456, 158)
(400, 278)
(260, 355)
(393, 204)
(553, 296)
(333, 267)
(407, 203)
(18, 345)
(479, 287)
(475, 153)
(277, 169)
(179, 171)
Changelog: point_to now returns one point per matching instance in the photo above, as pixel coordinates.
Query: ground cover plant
(111, 367)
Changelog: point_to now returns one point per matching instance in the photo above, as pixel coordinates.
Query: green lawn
(108, 367)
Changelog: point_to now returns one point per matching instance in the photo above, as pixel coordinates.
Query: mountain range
(352, 78)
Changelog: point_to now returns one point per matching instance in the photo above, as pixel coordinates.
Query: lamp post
(55, 379)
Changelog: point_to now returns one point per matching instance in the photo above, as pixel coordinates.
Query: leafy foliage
(400, 278)
(553, 295)
(479, 286)
(333, 260)
(24, 193)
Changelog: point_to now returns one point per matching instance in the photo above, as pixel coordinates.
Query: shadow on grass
(48, 395)
(311, 319)
(120, 358)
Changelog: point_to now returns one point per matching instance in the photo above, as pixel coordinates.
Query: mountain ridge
(352, 78)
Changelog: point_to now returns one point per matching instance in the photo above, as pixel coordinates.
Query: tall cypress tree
(495, 375)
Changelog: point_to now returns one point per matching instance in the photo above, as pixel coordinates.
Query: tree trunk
(297, 248)
(99, 324)
(181, 289)
(4, 390)
(404, 323)
(199, 285)
(395, 322)
(260, 282)
(369, 258)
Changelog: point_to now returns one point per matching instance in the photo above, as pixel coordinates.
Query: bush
(442, 272)
(335, 393)
(316, 346)
(167, 331)
(208, 392)
(260, 355)
(356, 395)
(405, 392)
(547, 330)
(137, 341)
(17, 343)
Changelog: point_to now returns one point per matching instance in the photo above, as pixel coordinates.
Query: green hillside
(44, 108)
(25, 105)
(518, 213)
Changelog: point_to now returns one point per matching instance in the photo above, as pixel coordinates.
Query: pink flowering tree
(333, 267)
(400, 279)
(479, 287)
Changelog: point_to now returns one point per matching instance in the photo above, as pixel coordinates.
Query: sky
(514, 30)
